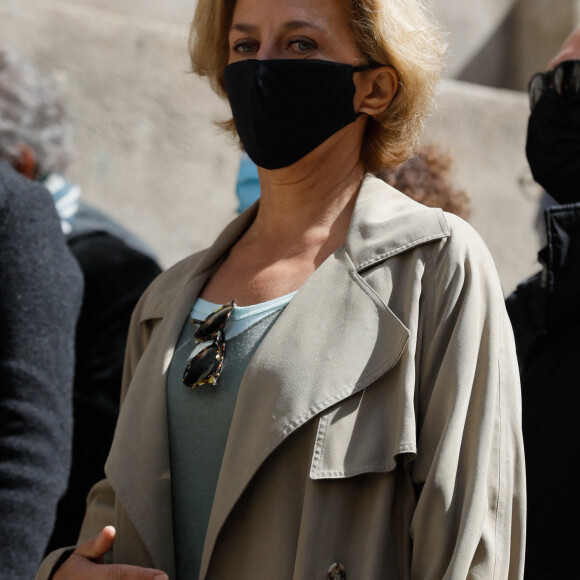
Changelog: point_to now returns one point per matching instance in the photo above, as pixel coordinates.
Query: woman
(365, 424)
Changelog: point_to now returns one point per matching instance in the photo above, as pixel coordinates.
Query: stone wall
(147, 150)
(484, 130)
(522, 42)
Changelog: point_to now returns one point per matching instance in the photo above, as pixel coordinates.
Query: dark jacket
(40, 296)
(545, 313)
(117, 268)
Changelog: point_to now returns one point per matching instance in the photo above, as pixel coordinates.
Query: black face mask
(553, 146)
(284, 109)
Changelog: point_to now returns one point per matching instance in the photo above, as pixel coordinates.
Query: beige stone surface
(469, 25)
(148, 152)
(522, 43)
(484, 130)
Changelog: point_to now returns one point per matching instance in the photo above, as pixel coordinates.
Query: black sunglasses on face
(564, 79)
(206, 366)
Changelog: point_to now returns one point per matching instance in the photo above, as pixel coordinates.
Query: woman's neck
(303, 217)
(312, 199)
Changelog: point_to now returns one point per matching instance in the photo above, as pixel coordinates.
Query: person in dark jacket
(545, 313)
(116, 265)
(40, 298)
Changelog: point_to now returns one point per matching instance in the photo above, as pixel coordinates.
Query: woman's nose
(268, 50)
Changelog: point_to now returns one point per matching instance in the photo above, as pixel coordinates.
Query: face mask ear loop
(369, 66)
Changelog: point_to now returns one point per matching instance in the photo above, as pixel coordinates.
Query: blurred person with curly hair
(426, 178)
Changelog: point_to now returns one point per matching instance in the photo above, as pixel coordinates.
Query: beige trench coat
(377, 425)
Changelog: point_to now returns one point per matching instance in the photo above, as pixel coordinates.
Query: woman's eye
(302, 45)
(244, 46)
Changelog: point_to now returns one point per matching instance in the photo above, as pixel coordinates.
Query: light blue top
(199, 423)
(242, 317)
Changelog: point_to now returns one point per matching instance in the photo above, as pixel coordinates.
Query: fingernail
(161, 577)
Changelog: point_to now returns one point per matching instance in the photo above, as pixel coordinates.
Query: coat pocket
(367, 432)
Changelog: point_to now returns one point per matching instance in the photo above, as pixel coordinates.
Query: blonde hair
(399, 33)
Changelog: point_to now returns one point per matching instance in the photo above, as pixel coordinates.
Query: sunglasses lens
(575, 77)
(568, 79)
(202, 366)
(536, 89)
(206, 365)
(213, 323)
(560, 80)
(565, 79)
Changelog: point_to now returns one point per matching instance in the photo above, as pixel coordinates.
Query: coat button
(337, 572)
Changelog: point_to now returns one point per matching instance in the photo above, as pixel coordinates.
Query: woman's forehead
(320, 13)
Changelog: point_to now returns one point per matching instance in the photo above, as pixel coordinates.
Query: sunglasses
(206, 366)
(564, 79)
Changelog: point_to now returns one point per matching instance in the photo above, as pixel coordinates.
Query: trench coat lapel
(141, 437)
(292, 377)
(333, 339)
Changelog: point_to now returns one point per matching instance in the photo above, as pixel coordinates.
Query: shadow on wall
(529, 36)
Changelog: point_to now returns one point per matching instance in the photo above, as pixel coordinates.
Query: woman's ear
(377, 88)
(25, 161)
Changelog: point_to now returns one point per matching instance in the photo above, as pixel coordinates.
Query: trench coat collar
(293, 375)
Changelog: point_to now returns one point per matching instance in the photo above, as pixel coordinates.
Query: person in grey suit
(36, 134)
(40, 298)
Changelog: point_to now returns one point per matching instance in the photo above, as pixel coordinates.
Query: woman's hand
(85, 562)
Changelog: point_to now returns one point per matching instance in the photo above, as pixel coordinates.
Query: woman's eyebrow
(287, 26)
(297, 24)
(241, 27)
